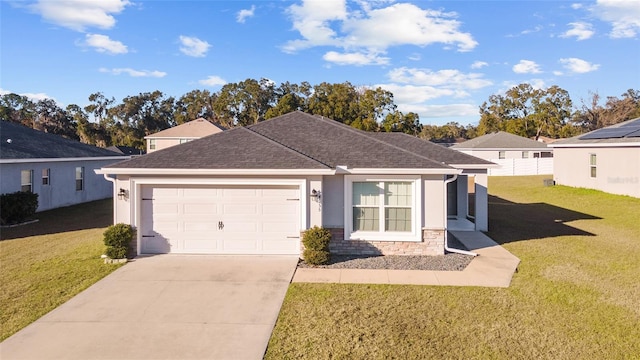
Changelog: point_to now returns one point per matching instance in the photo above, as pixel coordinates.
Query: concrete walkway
(165, 307)
(494, 267)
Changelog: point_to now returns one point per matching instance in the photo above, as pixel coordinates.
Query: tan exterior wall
(162, 144)
(617, 169)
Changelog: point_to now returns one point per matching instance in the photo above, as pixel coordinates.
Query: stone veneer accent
(432, 244)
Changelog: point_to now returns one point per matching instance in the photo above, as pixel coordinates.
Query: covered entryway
(220, 219)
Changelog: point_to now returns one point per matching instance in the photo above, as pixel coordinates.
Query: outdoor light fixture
(123, 194)
(315, 194)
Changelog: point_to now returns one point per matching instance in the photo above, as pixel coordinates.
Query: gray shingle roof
(21, 142)
(237, 148)
(500, 140)
(302, 141)
(607, 135)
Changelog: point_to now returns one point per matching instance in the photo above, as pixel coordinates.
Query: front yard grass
(46, 263)
(576, 294)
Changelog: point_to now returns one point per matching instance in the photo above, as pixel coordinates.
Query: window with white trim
(80, 178)
(592, 164)
(46, 176)
(183, 141)
(152, 144)
(26, 180)
(525, 154)
(502, 155)
(382, 209)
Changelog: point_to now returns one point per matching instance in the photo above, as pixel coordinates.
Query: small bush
(316, 246)
(116, 252)
(316, 257)
(17, 207)
(316, 238)
(117, 238)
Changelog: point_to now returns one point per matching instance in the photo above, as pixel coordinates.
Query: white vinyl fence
(512, 167)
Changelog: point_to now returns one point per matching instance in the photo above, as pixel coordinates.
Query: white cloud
(624, 16)
(576, 6)
(134, 73)
(245, 13)
(354, 59)
(580, 30)
(103, 44)
(526, 67)
(32, 96)
(373, 30)
(212, 81)
(448, 78)
(479, 64)
(80, 14)
(440, 111)
(192, 46)
(579, 66)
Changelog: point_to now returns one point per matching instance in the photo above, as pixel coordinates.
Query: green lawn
(576, 294)
(46, 263)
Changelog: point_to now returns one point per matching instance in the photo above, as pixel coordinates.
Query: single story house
(515, 155)
(59, 170)
(254, 189)
(607, 159)
(181, 134)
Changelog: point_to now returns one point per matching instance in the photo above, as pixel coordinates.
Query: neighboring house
(126, 150)
(606, 159)
(59, 170)
(515, 155)
(254, 189)
(181, 134)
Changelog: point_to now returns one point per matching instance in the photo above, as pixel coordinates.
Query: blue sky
(440, 59)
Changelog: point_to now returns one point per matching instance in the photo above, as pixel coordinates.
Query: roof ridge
(367, 135)
(290, 149)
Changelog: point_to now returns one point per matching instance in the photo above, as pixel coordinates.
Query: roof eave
(475, 166)
(598, 144)
(154, 171)
(41, 160)
(402, 171)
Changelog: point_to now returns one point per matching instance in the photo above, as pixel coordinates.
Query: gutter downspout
(446, 237)
(115, 205)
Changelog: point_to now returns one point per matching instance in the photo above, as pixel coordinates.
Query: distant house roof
(302, 141)
(126, 150)
(190, 130)
(20, 142)
(499, 140)
(627, 132)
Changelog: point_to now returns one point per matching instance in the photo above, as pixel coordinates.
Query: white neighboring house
(257, 187)
(181, 134)
(59, 170)
(606, 159)
(515, 154)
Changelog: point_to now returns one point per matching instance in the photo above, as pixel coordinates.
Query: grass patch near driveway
(44, 264)
(576, 294)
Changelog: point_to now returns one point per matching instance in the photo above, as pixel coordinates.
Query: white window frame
(81, 178)
(593, 165)
(152, 144)
(184, 141)
(46, 177)
(29, 184)
(416, 210)
(525, 154)
(502, 154)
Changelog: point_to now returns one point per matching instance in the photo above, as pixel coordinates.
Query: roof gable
(500, 140)
(193, 129)
(20, 142)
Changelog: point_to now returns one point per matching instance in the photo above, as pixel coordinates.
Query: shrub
(116, 252)
(17, 207)
(316, 257)
(117, 238)
(316, 238)
(316, 243)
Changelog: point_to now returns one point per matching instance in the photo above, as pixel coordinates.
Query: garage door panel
(258, 220)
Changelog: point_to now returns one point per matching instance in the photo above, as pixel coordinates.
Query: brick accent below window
(432, 244)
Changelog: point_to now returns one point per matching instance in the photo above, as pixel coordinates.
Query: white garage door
(220, 220)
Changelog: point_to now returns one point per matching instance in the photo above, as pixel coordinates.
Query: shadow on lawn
(509, 221)
(91, 215)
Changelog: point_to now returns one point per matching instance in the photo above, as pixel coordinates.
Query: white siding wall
(617, 169)
(61, 190)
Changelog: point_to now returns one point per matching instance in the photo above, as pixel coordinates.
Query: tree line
(522, 110)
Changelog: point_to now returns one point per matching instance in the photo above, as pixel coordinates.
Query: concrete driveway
(165, 307)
